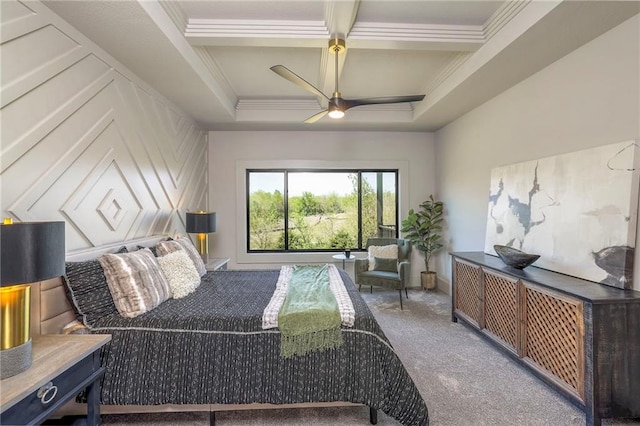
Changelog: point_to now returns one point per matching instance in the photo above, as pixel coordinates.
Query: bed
(208, 352)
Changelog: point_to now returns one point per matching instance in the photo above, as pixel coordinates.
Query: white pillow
(183, 243)
(387, 252)
(180, 272)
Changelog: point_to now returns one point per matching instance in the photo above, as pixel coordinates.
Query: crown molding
(377, 35)
(175, 13)
(311, 105)
(276, 110)
(215, 70)
(502, 16)
(292, 110)
(446, 71)
(233, 32)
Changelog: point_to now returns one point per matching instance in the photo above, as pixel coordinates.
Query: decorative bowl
(515, 258)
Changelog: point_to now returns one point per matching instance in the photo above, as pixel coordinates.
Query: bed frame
(51, 311)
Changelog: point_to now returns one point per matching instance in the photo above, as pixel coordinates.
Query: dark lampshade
(31, 252)
(201, 223)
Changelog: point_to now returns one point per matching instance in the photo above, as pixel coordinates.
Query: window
(319, 210)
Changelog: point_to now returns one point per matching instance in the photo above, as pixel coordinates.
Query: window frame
(286, 170)
(238, 224)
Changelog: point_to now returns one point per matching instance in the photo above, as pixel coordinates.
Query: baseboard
(443, 285)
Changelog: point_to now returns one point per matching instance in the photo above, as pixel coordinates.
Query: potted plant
(424, 229)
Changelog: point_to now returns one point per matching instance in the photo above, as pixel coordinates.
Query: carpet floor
(462, 378)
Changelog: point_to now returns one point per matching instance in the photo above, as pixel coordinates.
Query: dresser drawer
(64, 388)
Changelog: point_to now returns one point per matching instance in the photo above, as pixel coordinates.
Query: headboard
(50, 308)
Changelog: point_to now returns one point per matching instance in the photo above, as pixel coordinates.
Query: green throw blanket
(309, 319)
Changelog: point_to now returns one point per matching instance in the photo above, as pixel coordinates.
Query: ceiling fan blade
(350, 103)
(316, 117)
(285, 72)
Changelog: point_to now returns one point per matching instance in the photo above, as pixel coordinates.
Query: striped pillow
(183, 243)
(135, 281)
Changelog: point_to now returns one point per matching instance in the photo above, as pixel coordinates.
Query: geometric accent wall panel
(84, 143)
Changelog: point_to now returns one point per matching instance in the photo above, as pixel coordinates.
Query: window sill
(284, 258)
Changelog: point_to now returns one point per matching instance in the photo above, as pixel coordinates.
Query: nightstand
(63, 365)
(215, 263)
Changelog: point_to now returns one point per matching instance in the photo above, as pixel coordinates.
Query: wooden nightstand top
(52, 354)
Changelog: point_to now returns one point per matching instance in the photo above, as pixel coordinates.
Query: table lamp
(30, 252)
(201, 223)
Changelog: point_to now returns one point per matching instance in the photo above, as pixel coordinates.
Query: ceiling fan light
(336, 113)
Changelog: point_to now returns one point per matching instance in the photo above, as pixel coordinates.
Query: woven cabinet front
(554, 335)
(501, 308)
(467, 290)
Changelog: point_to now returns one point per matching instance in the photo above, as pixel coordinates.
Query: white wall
(230, 153)
(589, 98)
(85, 141)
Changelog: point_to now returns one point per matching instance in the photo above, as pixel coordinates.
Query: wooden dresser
(581, 337)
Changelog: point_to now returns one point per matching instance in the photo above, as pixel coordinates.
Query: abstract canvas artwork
(578, 211)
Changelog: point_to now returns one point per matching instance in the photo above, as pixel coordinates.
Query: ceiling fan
(337, 104)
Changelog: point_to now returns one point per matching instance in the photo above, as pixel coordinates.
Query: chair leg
(400, 291)
(405, 293)
(359, 287)
(371, 289)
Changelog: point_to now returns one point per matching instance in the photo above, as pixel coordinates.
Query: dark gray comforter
(209, 347)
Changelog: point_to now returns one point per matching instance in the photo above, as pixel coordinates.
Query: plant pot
(428, 280)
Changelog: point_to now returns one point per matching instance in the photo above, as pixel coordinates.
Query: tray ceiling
(212, 58)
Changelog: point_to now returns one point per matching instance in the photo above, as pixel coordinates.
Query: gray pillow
(87, 290)
(385, 264)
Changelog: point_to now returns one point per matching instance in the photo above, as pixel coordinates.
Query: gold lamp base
(202, 243)
(15, 339)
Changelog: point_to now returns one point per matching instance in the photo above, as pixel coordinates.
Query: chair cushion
(385, 275)
(383, 264)
(380, 279)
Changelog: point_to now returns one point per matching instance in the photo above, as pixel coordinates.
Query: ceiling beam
(165, 23)
(340, 16)
(528, 16)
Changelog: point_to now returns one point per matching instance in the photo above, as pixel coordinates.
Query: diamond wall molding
(89, 143)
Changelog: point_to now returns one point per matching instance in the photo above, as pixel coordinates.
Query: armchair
(383, 278)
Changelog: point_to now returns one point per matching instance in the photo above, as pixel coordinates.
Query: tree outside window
(322, 209)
